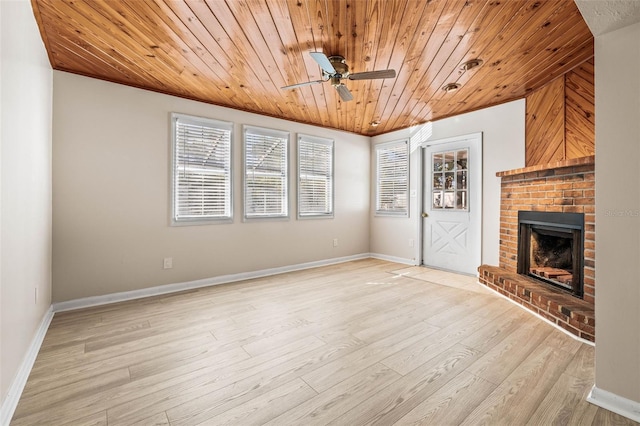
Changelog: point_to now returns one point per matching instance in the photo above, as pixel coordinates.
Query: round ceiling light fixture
(451, 87)
(374, 123)
(471, 64)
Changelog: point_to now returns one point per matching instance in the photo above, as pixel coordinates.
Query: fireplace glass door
(552, 251)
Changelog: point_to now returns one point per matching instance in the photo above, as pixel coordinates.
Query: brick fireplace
(563, 187)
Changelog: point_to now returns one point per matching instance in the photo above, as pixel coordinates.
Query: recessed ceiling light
(451, 87)
(375, 123)
(470, 64)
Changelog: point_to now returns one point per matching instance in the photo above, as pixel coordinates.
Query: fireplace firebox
(551, 247)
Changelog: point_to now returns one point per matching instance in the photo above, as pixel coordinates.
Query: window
(315, 177)
(265, 173)
(201, 172)
(449, 186)
(392, 178)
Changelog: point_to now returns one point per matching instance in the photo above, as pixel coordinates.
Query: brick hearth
(565, 186)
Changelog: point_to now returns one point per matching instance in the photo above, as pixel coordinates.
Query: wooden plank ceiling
(239, 53)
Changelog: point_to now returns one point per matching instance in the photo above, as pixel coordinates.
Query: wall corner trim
(612, 402)
(17, 385)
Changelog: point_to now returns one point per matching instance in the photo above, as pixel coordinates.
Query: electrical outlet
(335, 242)
(411, 242)
(168, 263)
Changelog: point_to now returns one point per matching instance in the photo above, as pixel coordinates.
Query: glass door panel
(449, 188)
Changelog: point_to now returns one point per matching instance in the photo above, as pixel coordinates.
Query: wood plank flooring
(363, 342)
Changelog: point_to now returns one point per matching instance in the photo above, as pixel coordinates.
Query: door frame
(473, 138)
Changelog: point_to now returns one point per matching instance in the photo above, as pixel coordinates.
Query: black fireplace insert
(551, 248)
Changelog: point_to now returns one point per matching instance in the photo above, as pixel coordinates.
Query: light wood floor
(364, 342)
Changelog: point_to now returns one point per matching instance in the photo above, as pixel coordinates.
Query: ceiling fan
(335, 69)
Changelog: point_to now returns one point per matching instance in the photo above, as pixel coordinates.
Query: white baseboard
(17, 386)
(87, 302)
(395, 259)
(612, 402)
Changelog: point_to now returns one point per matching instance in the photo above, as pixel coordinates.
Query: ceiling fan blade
(323, 61)
(307, 83)
(344, 92)
(370, 75)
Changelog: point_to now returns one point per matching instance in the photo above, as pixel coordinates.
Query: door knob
(425, 215)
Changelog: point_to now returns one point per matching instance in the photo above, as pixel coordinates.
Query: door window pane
(450, 180)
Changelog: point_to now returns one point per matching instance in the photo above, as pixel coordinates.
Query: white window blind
(315, 176)
(265, 173)
(392, 178)
(201, 169)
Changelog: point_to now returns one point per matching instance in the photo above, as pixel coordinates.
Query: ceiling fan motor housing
(341, 67)
(335, 80)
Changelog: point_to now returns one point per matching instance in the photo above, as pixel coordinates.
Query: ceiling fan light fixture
(451, 87)
(470, 64)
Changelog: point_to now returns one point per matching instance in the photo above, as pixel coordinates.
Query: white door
(452, 210)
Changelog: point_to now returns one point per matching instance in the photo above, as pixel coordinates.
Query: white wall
(25, 186)
(111, 207)
(503, 149)
(618, 212)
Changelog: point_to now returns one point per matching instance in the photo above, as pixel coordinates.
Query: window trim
(287, 199)
(324, 141)
(377, 149)
(209, 122)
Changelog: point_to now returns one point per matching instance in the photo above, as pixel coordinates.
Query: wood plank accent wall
(580, 111)
(560, 118)
(544, 124)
